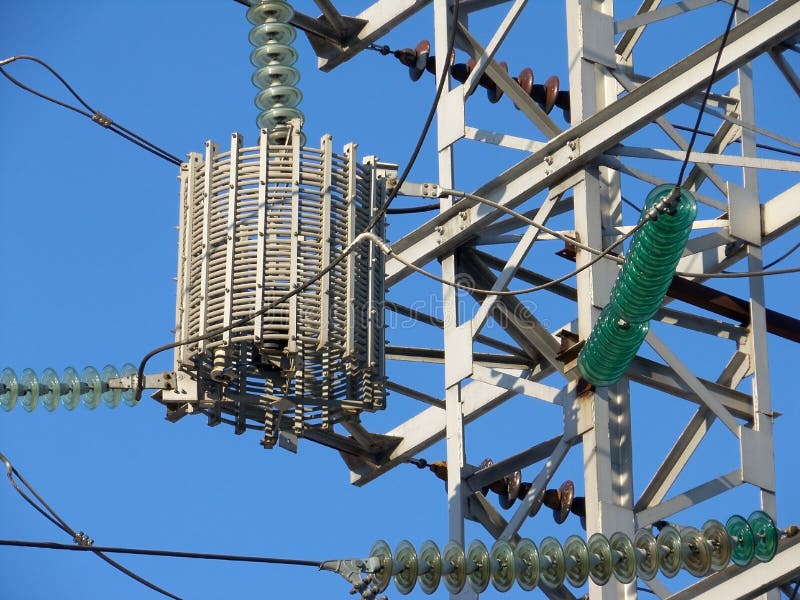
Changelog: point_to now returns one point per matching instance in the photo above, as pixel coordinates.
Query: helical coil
(273, 58)
(89, 386)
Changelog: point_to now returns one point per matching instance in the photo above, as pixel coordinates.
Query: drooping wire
(783, 256)
(80, 538)
(376, 218)
(164, 553)
(87, 111)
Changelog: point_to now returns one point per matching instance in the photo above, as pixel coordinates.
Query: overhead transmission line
(163, 553)
(706, 94)
(81, 539)
(783, 256)
(87, 111)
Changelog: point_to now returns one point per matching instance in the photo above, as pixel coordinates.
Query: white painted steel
(256, 222)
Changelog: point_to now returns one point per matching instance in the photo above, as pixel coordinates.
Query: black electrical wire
(783, 256)
(87, 111)
(414, 209)
(762, 146)
(707, 93)
(81, 538)
(376, 218)
(165, 553)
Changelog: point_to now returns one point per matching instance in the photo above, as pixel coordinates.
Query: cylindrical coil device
(256, 223)
(273, 58)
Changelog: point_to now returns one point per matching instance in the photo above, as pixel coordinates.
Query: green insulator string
(641, 285)
(275, 76)
(611, 347)
(90, 386)
(653, 256)
(549, 565)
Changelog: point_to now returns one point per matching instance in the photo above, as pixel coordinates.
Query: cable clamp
(102, 119)
(351, 569)
(421, 190)
(82, 539)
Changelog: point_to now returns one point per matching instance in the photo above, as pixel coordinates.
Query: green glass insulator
(30, 382)
(70, 388)
(127, 395)
(639, 289)
(91, 388)
(110, 396)
(611, 348)
(765, 535)
(10, 389)
(653, 256)
(49, 389)
(744, 545)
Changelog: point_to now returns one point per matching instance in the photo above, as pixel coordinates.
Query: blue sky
(88, 249)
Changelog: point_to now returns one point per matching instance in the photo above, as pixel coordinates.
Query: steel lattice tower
(578, 172)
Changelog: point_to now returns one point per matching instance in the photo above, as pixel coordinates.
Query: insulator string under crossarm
(276, 77)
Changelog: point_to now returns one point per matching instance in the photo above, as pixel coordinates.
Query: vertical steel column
(295, 233)
(350, 152)
(208, 199)
(324, 284)
(762, 400)
(602, 417)
(352, 232)
(759, 357)
(188, 183)
(261, 251)
(456, 457)
(231, 228)
(292, 344)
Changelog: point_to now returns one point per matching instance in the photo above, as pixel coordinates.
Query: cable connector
(421, 190)
(351, 569)
(101, 119)
(82, 539)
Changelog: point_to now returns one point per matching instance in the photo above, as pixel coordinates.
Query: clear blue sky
(88, 250)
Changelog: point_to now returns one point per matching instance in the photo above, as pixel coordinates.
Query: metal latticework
(257, 222)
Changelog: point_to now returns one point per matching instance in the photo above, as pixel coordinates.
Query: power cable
(741, 274)
(165, 553)
(758, 145)
(414, 209)
(87, 111)
(706, 94)
(80, 538)
(783, 256)
(376, 218)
